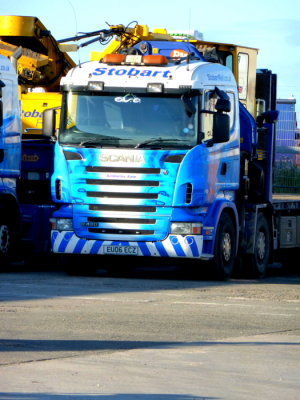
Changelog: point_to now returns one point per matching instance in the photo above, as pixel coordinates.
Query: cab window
(210, 100)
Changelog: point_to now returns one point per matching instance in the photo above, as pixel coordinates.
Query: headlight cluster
(62, 224)
(186, 228)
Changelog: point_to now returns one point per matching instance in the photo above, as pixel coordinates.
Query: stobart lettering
(131, 158)
(131, 72)
(219, 77)
(33, 114)
(30, 157)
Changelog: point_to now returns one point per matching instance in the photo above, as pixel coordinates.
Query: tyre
(256, 264)
(6, 242)
(225, 248)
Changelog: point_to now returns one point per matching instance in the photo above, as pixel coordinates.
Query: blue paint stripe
(79, 246)
(64, 243)
(118, 243)
(194, 248)
(178, 249)
(144, 249)
(96, 246)
(54, 237)
(162, 251)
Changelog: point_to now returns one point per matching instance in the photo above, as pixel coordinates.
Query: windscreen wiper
(157, 141)
(100, 142)
(88, 143)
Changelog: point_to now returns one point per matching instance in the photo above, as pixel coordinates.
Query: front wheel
(225, 246)
(257, 263)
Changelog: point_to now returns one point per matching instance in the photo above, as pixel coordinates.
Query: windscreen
(129, 120)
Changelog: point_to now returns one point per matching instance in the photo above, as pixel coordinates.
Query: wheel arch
(260, 249)
(214, 216)
(252, 226)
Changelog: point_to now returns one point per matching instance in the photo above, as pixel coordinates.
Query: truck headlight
(186, 228)
(62, 224)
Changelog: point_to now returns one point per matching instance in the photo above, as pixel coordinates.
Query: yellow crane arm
(42, 63)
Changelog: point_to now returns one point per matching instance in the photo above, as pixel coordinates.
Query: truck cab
(147, 157)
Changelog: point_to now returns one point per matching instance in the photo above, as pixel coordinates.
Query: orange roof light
(155, 60)
(135, 59)
(113, 59)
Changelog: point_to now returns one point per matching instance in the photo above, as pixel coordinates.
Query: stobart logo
(163, 73)
(30, 157)
(31, 114)
(130, 158)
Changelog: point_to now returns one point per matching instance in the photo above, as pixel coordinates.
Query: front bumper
(189, 246)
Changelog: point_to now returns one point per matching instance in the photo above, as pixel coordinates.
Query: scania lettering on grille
(130, 158)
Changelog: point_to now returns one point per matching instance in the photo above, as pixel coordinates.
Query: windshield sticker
(128, 98)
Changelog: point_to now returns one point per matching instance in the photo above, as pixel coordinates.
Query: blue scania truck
(158, 156)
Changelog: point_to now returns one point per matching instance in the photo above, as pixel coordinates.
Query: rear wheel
(10, 244)
(225, 246)
(257, 263)
(6, 242)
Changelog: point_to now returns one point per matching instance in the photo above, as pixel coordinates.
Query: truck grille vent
(115, 195)
(122, 220)
(58, 189)
(188, 193)
(116, 182)
(70, 155)
(118, 208)
(124, 170)
(121, 231)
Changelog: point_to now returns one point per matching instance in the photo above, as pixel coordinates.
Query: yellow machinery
(40, 65)
(241, 60)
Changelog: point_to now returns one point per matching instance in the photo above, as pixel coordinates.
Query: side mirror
(268, 117)
(49, 121)
(221, 128)
(223, 105)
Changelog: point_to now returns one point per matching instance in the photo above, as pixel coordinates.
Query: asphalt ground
(156, 333)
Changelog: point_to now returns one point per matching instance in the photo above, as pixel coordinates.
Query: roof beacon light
(135, 59)
(156, 59)
(114, 59)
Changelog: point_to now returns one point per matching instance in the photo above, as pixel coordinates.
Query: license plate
(121, 250)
